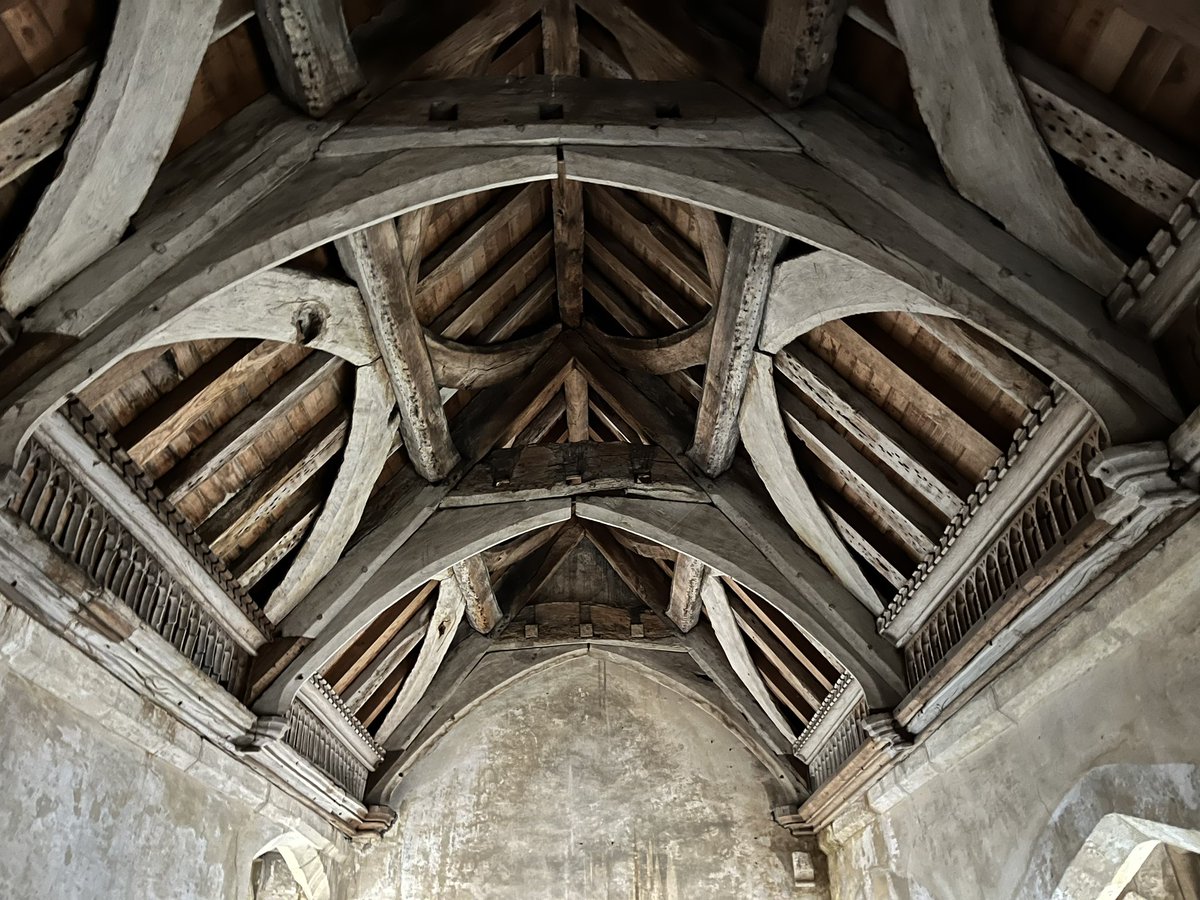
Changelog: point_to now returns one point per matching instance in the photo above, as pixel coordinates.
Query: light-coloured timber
(908, 457)
(461, 366)
(446, 538)
(1087, 127)
(796, 53)
(686, 583)
(311, 51)
(978, 118)
(385, 662)
(725, 627)
(367, 448)
(992, 362)
(373, 258)
(912, 525)
(658, 356)
(743, 299)
(764, 437)
(113, 155)
(37, 120)
(448, 612)
(475, 584)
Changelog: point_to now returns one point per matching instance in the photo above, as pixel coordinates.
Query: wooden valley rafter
(514, 331)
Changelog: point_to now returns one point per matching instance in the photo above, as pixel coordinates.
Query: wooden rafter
(687, 581)
(373, 258)
(475, 583)
(752, 252)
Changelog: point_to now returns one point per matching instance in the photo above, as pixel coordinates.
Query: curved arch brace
(1049, 318)
(658, 356)
(321, 201)
(465, 367)
(449, 537)
(509, 667)
(704, 533)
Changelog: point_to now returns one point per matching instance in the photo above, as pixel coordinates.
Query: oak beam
(576, 390)
(122, 139)
(686, 583)
(475, 583)
(373, 258)
(729, 636)
(987, 139)
(748, 271)
(567, 196)
(451, 603)
(560, 38)
(767, 443)
(798, 42)
(368, 446)
(461, 366)
(310, 47)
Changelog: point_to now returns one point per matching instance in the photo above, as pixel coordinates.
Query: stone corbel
(377, 820)
(1143, 482)
(267, 730)
(810, 869)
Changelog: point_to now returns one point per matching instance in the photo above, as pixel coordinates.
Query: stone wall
(1102, 717)
(106, 796)
(587, 779)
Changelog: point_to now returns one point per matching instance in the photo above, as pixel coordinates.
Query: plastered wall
(587, 780)
(1103, 717)
(106, 796)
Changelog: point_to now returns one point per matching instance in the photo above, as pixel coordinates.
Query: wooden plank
(798, 41)
(475, 583)
(797, 677)
(367, 449)
(531, 304)
(905, 455)
(752, 252)
(383, 664)
(309, 45)
(255, 420)
(763, 434)
(568, 239)
(560, 38)
(987, 138)
(372, 256)
(448, 612)
(268, 492)
(990, 360)
(123, 137)
(686, 584)
(729, 636)
(576, 390)
(914, 528)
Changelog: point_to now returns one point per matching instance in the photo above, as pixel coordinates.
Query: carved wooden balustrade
(326, 733)
(64, 511)
(845, 746)
(1056, 517)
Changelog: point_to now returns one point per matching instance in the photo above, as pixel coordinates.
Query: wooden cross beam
(752, 252)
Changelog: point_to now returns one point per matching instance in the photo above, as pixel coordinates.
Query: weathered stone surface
(589, 781)
(1103, 720)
